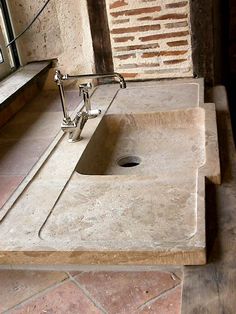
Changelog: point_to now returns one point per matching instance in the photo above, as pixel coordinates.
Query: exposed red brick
(145, 18)
(123, 39)
(173, 16)
(150, 54)
(177, 4)
(121, 21)
(136, 47)
(174, 61)
(163, 53)
(129, 75)
(177, 43)
(142, 28)
(125, 57)
(173, 53)
(163, 36)
(176, 24)
(118, 3)
(136, 11)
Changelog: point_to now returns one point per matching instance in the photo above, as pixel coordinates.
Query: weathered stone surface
(148, 216)
(62, 32)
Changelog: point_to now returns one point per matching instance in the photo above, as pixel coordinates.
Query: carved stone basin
(137, 187)
(131, 192)
(150, 144)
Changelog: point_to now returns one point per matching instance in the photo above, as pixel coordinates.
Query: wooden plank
(212, 288)
(100, 35)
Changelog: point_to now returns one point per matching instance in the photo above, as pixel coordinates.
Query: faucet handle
(84, 87)
(93, 113)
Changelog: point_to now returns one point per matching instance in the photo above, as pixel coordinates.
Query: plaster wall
(149, 38)
(61, 32)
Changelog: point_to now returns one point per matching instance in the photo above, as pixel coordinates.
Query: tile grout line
(154, 299)
(36, 295)
(87, 294)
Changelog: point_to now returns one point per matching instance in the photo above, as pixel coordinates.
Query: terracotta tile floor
(90, 292)
(22, 141)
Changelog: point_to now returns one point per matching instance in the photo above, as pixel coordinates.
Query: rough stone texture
(178, 98)
(19, 88)
(53, 185)
(211, 289)
(62, 32)
(149, 39)
(158, 35)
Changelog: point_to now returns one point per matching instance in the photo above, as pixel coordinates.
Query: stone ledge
(13, 84)
(19, 88)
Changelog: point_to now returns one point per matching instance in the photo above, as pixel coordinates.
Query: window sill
(11, 86)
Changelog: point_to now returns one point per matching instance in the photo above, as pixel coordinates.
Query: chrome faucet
(74, 127)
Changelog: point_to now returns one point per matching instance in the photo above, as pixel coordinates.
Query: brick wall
(150, 38)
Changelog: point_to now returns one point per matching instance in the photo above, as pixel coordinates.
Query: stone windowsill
(13, 84)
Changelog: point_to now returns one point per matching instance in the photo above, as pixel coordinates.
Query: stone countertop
(211, 289)
(35, 205)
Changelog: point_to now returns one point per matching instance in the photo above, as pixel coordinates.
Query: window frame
(10, 33)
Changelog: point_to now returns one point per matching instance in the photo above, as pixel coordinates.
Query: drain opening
(129, 161)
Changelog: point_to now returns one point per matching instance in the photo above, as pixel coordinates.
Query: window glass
(1, 57)
(7, 56)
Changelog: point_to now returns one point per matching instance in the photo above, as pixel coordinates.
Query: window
(8, 55)
(1, 56)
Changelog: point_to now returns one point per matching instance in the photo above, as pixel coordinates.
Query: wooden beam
(100, 36)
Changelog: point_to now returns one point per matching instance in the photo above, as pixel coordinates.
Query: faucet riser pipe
(63, 102)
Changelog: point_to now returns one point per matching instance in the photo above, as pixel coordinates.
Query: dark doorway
(228, 60)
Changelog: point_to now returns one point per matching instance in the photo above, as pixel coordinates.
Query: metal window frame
(9, 28)
(1, 57)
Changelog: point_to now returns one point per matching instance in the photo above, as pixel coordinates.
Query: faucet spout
(74, 127)
(115, 75)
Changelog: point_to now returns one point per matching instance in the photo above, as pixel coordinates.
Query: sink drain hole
(129, 161)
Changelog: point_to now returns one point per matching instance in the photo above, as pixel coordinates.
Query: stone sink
(131, 192)
(153, 144)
